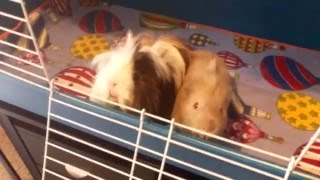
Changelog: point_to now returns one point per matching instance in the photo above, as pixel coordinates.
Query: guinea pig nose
(113, 84)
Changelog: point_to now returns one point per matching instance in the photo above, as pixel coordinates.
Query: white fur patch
(115, 66)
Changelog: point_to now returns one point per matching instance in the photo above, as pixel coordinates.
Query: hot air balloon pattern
(87, 46)
(232, 61)
(75, 80)
(242, 108)
(39, 30)
(100, 21)
(253, 45)
(286, 73)
(161, 22)
(299, 110)
(198, 39)
(310, 161)
(244, 130)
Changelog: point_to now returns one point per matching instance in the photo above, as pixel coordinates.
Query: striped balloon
(100, 21)
(232, 61)
(253, 45)
(310, 162)
(75, 80)
(286, 73)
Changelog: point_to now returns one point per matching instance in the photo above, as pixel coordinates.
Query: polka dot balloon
(87, 46)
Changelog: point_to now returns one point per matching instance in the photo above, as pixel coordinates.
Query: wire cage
(151, 148)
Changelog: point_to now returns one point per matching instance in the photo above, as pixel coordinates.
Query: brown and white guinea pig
(141, 72)
(204, 98)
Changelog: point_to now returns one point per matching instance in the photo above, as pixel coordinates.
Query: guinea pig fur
(136, 73)
(204, 98)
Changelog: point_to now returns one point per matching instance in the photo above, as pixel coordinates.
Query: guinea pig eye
(195, 105)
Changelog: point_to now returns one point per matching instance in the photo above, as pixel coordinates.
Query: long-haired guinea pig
(141, 72)
(203, 100)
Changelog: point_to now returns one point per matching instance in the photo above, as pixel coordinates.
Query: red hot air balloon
(100, 21)
(244, 130)
(75, 80)
(310, 162)
(232, 61)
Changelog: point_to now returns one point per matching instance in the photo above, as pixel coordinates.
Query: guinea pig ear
(137, 54)
(129, 39)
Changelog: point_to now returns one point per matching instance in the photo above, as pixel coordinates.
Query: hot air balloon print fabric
(278, 84)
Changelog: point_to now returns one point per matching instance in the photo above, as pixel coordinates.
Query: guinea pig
(203, 100)
(141, 72)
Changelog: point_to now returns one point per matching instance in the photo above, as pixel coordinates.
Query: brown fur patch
(150, 91)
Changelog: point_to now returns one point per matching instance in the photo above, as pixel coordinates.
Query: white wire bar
(224, 159)
(127, 108)
(24, 10)
(95, 114)
(47, 134)
(111, 152)
(64, 164)
(166, 149)
(143, 148)
(217, 137)
(12, 16)
(25, 20)
(307, 147)
(290, 168)
(17, 1)
(234, 143)
(175, 142)
(254, 159)
(197, 168)
(137, 144)
(20, 59)
(25, 80)
(56, 174)
(179, 144)
(18, 47)
(24, 71)
(91, 160)
(15, 32)
(172, 141)
(286, 159)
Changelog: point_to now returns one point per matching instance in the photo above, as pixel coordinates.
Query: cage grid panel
(132, 144)
(168, 140)
(38, 71)
(288, 160)
(134, 159)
